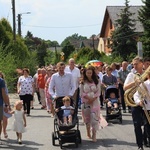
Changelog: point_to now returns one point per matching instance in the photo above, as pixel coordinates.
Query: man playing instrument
(137, 112)
(142, 98)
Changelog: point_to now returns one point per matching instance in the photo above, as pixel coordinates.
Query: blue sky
(58, 19)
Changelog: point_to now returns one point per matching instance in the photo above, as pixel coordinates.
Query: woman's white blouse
(26, 85)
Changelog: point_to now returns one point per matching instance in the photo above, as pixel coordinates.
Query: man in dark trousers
(137, 112)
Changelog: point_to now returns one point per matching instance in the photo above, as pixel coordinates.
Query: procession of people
(86, 86)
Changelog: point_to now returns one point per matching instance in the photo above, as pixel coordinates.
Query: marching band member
(137, 112)
(142, 98)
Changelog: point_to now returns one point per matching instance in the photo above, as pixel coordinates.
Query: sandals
(94, 136)
(5, 135)
(89, 136)
(88, 131)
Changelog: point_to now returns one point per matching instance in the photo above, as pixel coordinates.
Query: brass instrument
(128, 96)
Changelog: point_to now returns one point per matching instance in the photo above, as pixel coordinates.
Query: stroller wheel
(77, 143)
(120, 120)
(60, 143)
(107, 119)
(53, 138)
(79, 136)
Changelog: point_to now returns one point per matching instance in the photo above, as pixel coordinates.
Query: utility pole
(19, 22)
(19, 25)
(14, 20)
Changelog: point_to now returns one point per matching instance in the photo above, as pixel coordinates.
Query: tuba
(128, 96)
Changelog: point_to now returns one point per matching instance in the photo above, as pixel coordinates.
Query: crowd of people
(86, 86)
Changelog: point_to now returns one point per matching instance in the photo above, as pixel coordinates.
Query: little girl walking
(19, 123)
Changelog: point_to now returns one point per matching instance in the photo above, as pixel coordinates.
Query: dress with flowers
(91, 112)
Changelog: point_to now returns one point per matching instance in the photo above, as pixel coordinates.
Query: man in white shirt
(62, 83)
(71, 68)
(142, 97)
(141, 100)
(137, 112)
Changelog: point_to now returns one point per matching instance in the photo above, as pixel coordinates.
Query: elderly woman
(25, 89)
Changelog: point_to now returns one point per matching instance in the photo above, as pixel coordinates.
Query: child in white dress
(19, 123)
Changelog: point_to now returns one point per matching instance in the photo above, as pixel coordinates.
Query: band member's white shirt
(129, 78)
(137, 96)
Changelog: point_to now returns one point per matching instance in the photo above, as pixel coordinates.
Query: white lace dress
(18, 124)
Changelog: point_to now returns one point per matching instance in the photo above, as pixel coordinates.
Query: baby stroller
(111, 115)
(63, 133)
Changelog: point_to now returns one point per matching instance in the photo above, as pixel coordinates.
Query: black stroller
(118, 114)
(63, 133)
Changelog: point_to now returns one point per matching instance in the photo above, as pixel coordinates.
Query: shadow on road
(13, 145)
(86, 144)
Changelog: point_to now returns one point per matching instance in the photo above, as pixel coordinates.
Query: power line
(60, 27)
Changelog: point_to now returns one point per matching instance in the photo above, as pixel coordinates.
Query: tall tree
(144, 16)
(41, 54)
(122, 41)
(4, 37)
(67, 50)
(6, 25)
(73, 37)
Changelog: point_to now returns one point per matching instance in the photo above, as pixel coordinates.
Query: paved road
(40, 126)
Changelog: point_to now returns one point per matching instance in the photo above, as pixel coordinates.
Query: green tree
(67, 50)
(144, 16)
(85, 54)
(41, 54)
(122, 41)
(4, 38)
(6, 25)
(8, 66)
(73, 37)
(50, 58)
(32, 42)
(18, 49)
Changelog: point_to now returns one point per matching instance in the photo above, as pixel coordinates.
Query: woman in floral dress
(90, 92)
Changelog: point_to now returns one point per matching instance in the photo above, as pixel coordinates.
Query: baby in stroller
(68, 111)
(66, 122)
(112, 99)
(112, 103)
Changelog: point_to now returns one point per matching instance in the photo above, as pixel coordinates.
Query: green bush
(8, 67)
